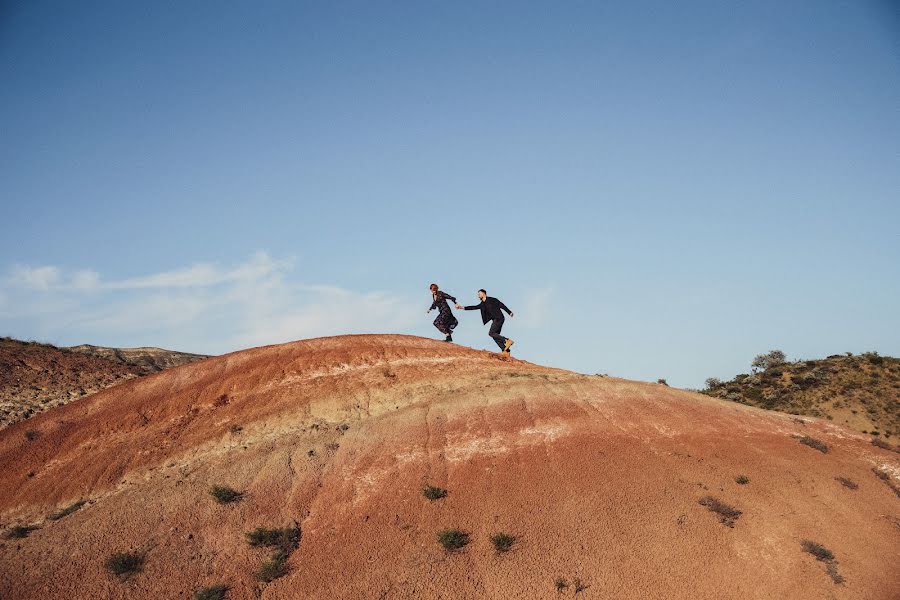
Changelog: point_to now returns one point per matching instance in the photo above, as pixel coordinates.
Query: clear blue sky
(658, 189)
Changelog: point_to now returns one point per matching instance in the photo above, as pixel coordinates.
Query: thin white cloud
(35, 278)
(536, 307)
(202, 307)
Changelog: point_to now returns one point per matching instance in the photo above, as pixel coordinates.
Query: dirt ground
(599, 480)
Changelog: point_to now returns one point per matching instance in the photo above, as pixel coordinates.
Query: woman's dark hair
(483, 291)
(433, 287)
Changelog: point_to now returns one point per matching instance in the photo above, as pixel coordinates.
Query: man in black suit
(491, 310)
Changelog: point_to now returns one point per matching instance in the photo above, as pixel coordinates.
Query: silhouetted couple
(491, 310)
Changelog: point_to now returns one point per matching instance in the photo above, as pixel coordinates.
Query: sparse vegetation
(560, 584)
(433, 492)
(578, 585)
(503, 541)
(819, 551)
(31, 435)
(452, 539)
(847, 483)
(273, 568)
(813, 443)
(282, 541)
(224, 494)
(772, 358)
(216, 592)
(713, 382)
(662, 382)
(19, 532)
(824, 555)
(65, 512)
(880, 443)
(728, 515)
(850, 390)
(124, 564)
(742, 479)
(285, 540)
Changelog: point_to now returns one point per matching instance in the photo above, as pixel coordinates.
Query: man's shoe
(449, 338)
(509, 343)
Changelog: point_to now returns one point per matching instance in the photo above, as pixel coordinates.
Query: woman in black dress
(445, 321)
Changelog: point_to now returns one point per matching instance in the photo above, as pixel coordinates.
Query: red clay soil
(599, 479)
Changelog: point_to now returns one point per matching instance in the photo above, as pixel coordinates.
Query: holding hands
(459, 307)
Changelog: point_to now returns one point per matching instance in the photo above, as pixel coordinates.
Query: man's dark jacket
(490, 309)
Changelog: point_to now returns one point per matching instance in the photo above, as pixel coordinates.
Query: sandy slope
(598, 478)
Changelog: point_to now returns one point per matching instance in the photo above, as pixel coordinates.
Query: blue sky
(657, 189)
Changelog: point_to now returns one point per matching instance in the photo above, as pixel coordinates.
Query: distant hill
(35, 377)
(861, 392)
(150, 360)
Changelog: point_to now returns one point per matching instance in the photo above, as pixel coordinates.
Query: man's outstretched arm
(475, 307)
(503, 306)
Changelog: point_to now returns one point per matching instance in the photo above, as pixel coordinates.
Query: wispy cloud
(202, 307)
(536, 307)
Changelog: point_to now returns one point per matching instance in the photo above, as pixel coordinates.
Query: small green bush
(847, 483)
(273, 568)
(452, 539)
(434, 493)
(19, 532)
(814, 443)
(224, 494)
(284, 540)
(742, 479)
(124, 563)
(216, 592)
(819, 551)
(728, 515)
(65, 512)
(503, 541)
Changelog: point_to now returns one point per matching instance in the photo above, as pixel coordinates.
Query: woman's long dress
(445, 321)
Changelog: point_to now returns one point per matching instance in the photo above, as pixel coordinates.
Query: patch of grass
(578, 585)
(503, 541)
(880, 443)
(273, 568)
(814, 443)
(216, 592)
(742, 479)
(124, 564)
(728, 515)
(831, 569)
(65, 512)
(824, 555)
(433, 492)
(224, 494)
(235, 429)
(19, 532)
(560, 584)
(818, 550)
(847, 483)
(284, 540)
(662, 382)
(452, 539)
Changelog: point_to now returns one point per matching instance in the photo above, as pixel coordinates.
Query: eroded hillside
(399, 467)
